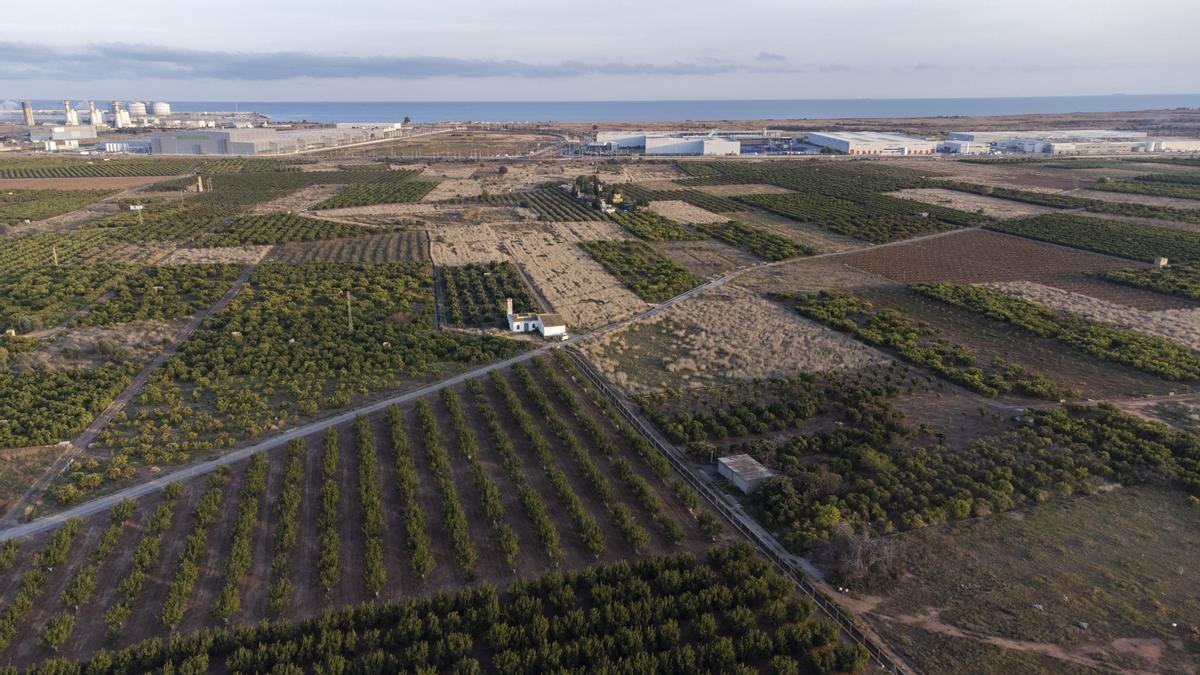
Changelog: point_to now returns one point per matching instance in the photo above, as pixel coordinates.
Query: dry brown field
(708, 258)
(575, 286)
(245, 255)
(300, 200)
(976, 256)
(963, 201)
(738, 190)
(721, 336)
(682, 212)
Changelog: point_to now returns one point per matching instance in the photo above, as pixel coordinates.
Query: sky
(483, 50)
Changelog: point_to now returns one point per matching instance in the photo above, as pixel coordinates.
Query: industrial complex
(268, 140)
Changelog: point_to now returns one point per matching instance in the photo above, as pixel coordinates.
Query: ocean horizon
(681, 110)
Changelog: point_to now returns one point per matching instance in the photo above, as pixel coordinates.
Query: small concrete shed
(743, 471)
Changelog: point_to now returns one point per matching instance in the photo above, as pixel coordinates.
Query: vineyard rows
(391, 187)
(92, 169)
(1135, 241)
(276, 228)
(405, 246)
(551, 204)
(530, 456)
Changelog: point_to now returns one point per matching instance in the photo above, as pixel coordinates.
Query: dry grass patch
(807, 276)
(705, 258)
(703, 341)
(300, 200)
(459, 245)
(809, 234)
(451, 188)
(972, 203)
(682, 212)
(1179, 325)
(575, 285)
(84, 347)
(242, 255)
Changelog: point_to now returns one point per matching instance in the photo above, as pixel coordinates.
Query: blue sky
(543, 50)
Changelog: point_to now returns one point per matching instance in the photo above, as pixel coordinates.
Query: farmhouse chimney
(508, 304)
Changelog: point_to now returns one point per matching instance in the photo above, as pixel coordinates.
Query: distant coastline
(611, 111)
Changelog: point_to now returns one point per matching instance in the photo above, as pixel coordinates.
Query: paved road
(108, 501)
(81, 442)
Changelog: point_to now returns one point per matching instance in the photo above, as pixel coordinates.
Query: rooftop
(746, 467)
(552, 320)
(869, 136)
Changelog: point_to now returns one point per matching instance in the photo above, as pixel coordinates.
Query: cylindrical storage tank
(137, 108)
(160, 108)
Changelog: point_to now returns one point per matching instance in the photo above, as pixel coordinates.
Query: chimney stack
(27, 108)
(509, 301)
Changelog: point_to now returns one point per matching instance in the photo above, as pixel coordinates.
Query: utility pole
(54, 251)
(349, 314)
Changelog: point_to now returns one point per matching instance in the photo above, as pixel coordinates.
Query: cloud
(770, 56)
(137, 61)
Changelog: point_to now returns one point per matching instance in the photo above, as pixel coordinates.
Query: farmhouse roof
(552, 320)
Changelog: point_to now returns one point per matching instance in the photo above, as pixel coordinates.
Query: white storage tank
(137, 109)
(160, 108)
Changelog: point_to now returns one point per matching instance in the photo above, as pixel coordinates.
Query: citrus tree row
(621, 517)
(142, 563)
(641, 269)
(195, 545)
(329, 552)
(531, 500)
(19, 205)
(390, 187)
(475, 293)
(240, 555)
(287, 506)
(585, 525)
(489, 494)
(276, 228)
(415, 534)
(34, 581)
(550, 204)
(374, 573)
(1136, 241)
(452, 510)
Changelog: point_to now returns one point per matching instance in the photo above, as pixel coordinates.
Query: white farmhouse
(548, 325)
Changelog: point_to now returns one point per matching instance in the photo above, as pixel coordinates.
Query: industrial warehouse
(268, 140)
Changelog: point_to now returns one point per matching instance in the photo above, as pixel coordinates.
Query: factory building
(670, 145)
(872, 143)
(667, 143)
(74, 132)
(1075, 141)
(266, 141)
(964, 147)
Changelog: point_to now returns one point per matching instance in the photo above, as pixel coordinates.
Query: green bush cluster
(18, 205)
(287, 506)
(415, 534)
(385, 187)
(329, 547)
(277, 228)
(1124, 239)
(452, 510)
(648, 274)
(163, 293)
(240, 555)
(650, 226)
(1182, 280)
(757, 241)
(374, 573)
(550, 204)
(142, 563)
(195, 546)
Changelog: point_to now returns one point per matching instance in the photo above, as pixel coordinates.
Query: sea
(612, 111)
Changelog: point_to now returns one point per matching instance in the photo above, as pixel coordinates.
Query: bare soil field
(93, 183)
(451, 188)
(739, 190)
(1014, 175)
(404, 246)
(1180, 325)
(989, 206)
(808, 276)
(705, 258)
(434, 213)
(1083, 584)
(819, 238)
(702, 341)
(19, 470)
(459, 245)
(308, 598)
(592, 230)
(243, 255)
(575, 285)
(682, 212)
(1132, 198)
(978, 256)
(300, 200)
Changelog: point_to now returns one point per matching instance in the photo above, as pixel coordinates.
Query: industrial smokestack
(116, 114)
(93, 115)
(27, 109)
